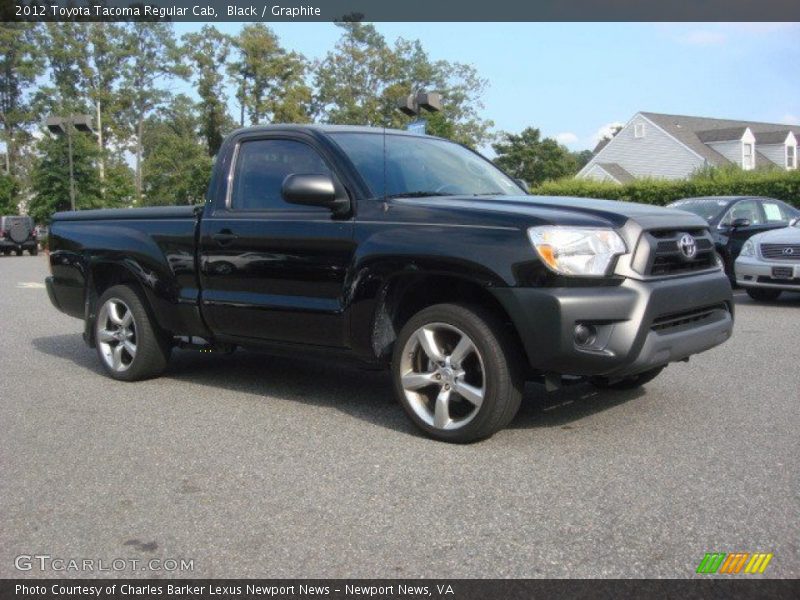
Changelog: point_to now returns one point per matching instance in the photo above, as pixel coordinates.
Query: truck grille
(781, 251)
(693, 316)
(659, 253)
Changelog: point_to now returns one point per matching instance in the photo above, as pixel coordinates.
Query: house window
(638, 130)
(747, 157)
(791, 157)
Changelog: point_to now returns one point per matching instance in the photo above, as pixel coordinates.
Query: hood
(787, 235)
(565, 210)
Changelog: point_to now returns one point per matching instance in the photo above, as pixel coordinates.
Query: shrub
(784, 185)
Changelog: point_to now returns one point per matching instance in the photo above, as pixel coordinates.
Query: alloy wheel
(116, 335)
(442, 376)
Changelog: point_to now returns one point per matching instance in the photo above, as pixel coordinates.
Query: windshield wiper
(419, 194)
(491, 194)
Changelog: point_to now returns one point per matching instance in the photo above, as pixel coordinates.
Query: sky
(573, 80)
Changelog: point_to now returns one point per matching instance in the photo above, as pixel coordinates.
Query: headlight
(581, 251)
(748, 249)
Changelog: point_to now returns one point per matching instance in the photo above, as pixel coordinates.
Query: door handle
(224, 237)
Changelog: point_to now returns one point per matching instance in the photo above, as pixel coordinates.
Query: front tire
(129, 343)
(457, 372)
(763, 294)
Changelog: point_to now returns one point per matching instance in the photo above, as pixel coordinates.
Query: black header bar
(401, 10)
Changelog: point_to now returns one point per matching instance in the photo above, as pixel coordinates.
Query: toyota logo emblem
(788, 251)
(688, 246)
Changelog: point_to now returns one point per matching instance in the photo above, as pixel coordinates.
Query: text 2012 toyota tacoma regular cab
(397, 250)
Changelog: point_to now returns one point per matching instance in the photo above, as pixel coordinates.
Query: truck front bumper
(628, 328)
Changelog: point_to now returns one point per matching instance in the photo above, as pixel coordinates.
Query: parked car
(18, 233)
(401, 251)
(734, 219)
(769, 263)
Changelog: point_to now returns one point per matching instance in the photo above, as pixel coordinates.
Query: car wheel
(34, 251)
(457, 372)
(129, 343)
(18, 252)
(628, 383)
(763, 294)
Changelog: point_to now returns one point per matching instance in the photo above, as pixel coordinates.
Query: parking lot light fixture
(59, 125)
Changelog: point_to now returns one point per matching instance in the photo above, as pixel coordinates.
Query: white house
(675, 146)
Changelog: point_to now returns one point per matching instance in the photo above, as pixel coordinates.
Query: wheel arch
(102, 275)
(405, 294)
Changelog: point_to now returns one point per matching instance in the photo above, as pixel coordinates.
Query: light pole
(64, 125)
(413, 104)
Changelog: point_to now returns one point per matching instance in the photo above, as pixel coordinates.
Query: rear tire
(129, 343)
(33, 251)
(628, 383)
(19, 252)
(457, 372)
(763, 294)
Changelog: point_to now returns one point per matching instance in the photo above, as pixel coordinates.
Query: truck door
(270, 270)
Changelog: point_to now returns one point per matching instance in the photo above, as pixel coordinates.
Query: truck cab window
(262, 165)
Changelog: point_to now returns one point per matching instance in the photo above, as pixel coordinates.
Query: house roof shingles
(688, 129)
(617, 172)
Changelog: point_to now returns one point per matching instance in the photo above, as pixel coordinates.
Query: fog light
(585, 335)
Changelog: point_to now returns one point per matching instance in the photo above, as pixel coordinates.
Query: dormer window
(748, 162)
(638, 130)
(791, 157)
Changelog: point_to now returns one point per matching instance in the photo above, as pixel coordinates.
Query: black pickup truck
(400, 251)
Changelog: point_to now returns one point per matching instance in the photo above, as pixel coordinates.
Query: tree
(84, 65)
(50, 176)
(269, 80)
(20, 65)
(152, 57)
(582, 157)
(527, 156)
(363, 78)
(8, 195)
(209, 50)
(177, 167)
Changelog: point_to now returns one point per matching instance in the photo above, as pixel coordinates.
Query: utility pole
(100, 143)
(64, 126)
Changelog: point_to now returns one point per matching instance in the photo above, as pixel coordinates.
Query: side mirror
(739, 223)
(794, 222)
(315, 190)
(523, 184)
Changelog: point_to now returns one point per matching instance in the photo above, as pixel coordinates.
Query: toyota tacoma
(395, 250)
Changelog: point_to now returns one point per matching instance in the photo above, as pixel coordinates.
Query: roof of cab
(326, 129)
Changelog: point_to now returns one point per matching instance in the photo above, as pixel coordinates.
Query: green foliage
(8, 195)
(51, 182)
(177, 167)
(21, 62)
(527, 156)
(784, 185)
(270, 80)
(209, 50)
(362, 79)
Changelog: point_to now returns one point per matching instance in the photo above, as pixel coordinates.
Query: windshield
(420, 166)
(708, 209)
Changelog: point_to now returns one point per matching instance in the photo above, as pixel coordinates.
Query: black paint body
(342, 283)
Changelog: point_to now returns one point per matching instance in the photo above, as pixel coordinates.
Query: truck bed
(117, 214)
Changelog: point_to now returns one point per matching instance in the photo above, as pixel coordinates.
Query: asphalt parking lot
(255, 466)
